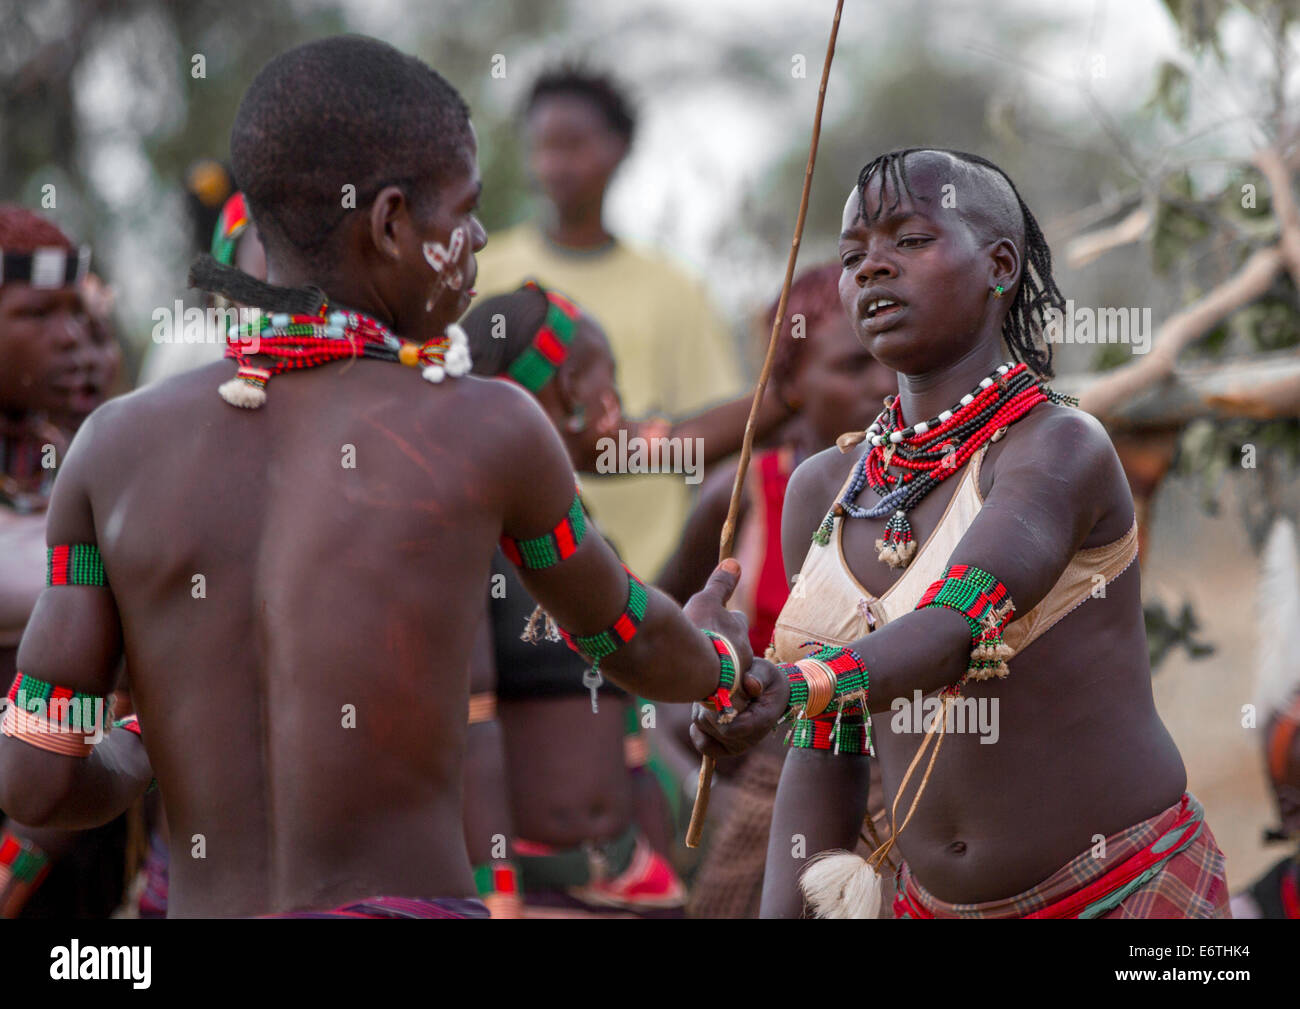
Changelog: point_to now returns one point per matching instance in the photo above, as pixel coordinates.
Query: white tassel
(840, 884)
(239, 393)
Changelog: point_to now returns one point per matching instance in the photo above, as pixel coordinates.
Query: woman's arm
(820, 805)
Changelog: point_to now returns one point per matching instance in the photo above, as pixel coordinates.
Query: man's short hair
(341, 111)
(597, 88)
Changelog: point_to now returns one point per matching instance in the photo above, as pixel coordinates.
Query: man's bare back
(304, 571)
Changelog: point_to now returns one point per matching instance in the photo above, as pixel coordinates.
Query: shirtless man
(298, 629)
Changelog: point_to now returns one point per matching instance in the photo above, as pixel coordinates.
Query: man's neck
(582, 230)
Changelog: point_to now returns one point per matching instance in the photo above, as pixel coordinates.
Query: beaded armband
(77, 564)
(549, 549)
(987, 607)
(497, 884)
(597, 646)
(21, 861)
(54, 718)
(720, 699)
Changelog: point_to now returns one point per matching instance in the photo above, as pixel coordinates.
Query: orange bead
(409, 354)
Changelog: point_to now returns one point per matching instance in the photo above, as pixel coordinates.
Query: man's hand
(761, 701)
(707, 610)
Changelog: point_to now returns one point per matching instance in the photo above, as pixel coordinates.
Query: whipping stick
(701, 808)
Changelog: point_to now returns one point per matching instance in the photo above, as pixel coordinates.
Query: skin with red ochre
(327, 592)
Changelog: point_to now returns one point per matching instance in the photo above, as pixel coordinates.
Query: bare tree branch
(1181, 329)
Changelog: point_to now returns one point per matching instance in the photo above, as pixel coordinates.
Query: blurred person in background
(673, 351)
(1276, 894)
(558, 762)
(226, 229)
(59, 360)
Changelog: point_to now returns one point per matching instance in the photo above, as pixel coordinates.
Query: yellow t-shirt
(673, 353)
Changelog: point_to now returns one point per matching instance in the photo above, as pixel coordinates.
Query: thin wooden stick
(701, 807)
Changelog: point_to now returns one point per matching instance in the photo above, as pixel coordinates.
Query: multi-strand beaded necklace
(304, 341)
(927, 453)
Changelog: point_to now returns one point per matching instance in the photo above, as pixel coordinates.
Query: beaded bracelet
(540, 552)
(52, 718)
(131, 723)
(831, 675)
(75, 564)
(729, 661)
(850, 735)
(987, 607)
(497, 884)
(597, 646)
(22, 861)
(811, 694)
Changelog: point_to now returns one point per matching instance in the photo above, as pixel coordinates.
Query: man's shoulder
(140, 410)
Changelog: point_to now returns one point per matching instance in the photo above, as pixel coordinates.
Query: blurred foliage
(1165, 633)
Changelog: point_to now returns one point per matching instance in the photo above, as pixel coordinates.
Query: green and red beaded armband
(77, 564)
(987, 607)
(22, 861)
(597, 646)
(54, 718)
(729, 663)
(547, 550)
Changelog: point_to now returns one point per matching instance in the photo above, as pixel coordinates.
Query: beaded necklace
(304, 341)
(25, 481)
(927, 453)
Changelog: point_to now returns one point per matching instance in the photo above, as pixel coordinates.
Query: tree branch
(1255, 276)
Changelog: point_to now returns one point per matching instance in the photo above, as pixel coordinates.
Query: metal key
(591, 679)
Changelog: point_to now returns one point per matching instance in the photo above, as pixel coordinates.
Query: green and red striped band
(549, 549)
(538, 363)
(851, 677)
(26, 691)
(852, 737)
(77, 564)
(21, 860)
(597, 646)
(720, 699)
(496, 877)
(972, 592)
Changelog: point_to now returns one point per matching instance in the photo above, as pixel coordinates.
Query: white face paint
(445, 260)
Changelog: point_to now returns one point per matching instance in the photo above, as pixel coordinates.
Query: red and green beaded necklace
(305, 341)
(927, 453)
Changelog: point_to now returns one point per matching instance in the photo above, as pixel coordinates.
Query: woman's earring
(576, 422)
(997, 291)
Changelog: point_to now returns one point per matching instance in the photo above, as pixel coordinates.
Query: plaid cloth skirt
(1166, 867)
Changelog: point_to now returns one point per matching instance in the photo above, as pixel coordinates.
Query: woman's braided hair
(1037, 294)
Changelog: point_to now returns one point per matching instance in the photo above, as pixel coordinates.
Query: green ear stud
(997, 291)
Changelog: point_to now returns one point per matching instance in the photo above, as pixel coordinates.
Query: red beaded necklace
(927, 453)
